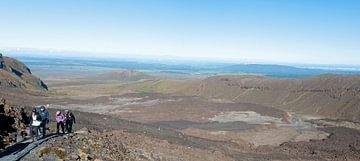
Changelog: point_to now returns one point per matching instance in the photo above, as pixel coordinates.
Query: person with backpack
(45, 120)
(69, 120)
(60, 122)
(35, 121)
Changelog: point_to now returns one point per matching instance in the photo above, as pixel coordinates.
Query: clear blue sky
(293, 31)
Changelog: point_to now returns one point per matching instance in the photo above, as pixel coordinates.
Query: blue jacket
(44, 115)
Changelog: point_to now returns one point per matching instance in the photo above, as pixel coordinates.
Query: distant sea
(82, 67)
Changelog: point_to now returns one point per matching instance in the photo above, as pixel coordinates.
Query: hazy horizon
(44, 63)
(170, 60)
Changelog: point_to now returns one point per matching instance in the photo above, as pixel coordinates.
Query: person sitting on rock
(35, 121)
(60, 122)
(45, 120)
(69, 120)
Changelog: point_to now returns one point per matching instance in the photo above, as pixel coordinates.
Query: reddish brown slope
(335, 96)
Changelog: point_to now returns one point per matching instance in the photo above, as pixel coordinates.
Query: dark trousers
(58, 125)
(43, 126)
(32, 128)
(69, 126)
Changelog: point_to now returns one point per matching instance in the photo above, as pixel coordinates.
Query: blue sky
(288, 31)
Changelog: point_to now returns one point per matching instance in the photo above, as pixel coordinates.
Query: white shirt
(35, 121)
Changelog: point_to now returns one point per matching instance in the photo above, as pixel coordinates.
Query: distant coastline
(83, 67)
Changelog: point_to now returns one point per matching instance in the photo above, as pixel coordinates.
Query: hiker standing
(60, 122)
(69, 120)
(35, 121)
(45, 119)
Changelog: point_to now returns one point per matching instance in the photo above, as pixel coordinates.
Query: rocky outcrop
(87, 145)
(83, 145)
(15, 74)
(13, 124)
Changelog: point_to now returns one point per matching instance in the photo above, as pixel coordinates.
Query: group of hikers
(40, 119)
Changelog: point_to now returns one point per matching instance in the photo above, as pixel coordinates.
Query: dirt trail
(21, 149)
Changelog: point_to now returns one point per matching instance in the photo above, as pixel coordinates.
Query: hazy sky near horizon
(292, 31)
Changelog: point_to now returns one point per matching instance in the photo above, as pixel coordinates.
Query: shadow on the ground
(14, 149)
(18, 147)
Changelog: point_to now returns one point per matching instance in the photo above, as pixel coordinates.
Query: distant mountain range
(282, 71)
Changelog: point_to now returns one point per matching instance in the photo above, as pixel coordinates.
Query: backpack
(69, 117)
